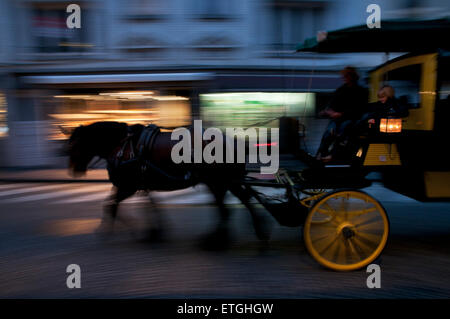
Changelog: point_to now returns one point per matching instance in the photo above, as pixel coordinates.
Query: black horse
(134, 165)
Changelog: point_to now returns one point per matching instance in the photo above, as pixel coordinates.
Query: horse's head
(97, 139)
(80, 151)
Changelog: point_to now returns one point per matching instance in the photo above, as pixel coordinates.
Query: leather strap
(146, 139)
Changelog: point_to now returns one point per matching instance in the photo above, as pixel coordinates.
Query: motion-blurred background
(228, 62)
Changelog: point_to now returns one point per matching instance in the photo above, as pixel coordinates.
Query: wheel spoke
(343, 206)
(330, 212)
(316, 239)
(339, 253)
(354, 251)
(371, 227)
(360, 212)
(321, 218)
(356, 247)
(326, 246)
(330, 250)
(367, 221)
(371, 238)
(325, 226)
(334, 213)
(325, 212)
(322, 232)
(364, 248)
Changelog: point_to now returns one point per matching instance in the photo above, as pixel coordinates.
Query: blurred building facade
(166, 61)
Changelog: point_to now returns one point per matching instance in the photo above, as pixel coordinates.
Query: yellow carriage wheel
(346, 230)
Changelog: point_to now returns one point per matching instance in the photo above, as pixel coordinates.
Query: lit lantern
(391, 125)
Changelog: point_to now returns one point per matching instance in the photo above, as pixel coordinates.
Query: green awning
(393, 36)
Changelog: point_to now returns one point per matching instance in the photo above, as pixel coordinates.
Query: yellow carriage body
(417, 152)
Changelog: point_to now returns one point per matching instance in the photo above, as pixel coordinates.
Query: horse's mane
(106, 127)
(103, 136)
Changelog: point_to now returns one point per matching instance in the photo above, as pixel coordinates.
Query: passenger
(387, 105)
(346, 107)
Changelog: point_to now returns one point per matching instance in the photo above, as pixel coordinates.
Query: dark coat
(392, 108)
(351, 101)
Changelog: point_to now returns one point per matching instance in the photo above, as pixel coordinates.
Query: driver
(346, 107)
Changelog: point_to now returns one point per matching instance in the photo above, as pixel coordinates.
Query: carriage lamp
(391, 125)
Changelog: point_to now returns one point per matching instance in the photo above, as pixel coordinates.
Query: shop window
(250, 109)
(69, 110)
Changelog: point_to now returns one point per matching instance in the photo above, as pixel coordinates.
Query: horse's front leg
(155, 230)
(111, 207)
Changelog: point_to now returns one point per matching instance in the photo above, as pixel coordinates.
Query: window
(406, 83)
(215, 46)
(50, 31)
(214, 9)
(444, 92)
(3, 116)
(293, 22)
(444, 69)
(144, 10)
(442, 106)
(142, 47)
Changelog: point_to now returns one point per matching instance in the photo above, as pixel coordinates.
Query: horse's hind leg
(219, 239)
(259, 223)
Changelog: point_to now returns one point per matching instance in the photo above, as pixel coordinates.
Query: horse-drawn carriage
(344, 228)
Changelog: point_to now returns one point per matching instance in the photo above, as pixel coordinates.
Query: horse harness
(146, 140)
(127, 152)
(139, 155)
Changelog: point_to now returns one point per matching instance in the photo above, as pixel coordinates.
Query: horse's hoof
(263, 229)
(217, 241)
(263, 233)
(264, 246)
(154, 236)
(263, 237)
(105, 229)
(214, 246)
